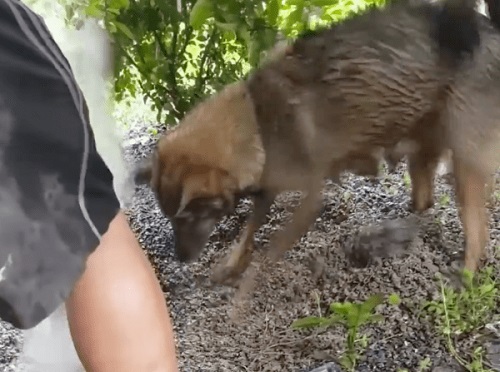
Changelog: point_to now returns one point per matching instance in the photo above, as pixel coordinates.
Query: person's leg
(117, 313)
(61, 223)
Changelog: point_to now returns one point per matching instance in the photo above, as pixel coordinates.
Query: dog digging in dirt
(333, 99)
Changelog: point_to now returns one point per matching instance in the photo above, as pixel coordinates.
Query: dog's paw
(453, 275)
(232, 267)
(225, 275)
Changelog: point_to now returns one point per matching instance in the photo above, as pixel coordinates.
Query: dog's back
(342, 92)
(337, 94)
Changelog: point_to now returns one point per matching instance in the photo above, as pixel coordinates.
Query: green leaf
(202, 10)
(231, 27)
(371, 303)
(272, 12)
(118, 4)
(342, 309)
(487, 288)
(308, 322)
(92, 10)
(346, 362)
(295, 17)
(113, 11)
(112, 28)
(323, 3)
(394, 299)
(124, 28)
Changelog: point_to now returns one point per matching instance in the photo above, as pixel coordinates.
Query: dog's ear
(211, 192)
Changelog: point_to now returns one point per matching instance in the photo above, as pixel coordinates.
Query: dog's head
(193, 197)
(199, 169)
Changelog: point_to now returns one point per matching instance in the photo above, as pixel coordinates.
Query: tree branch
(189, 33)
(171, 61)
(202, 77)
(144, 74)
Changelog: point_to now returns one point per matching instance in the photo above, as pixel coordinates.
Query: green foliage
(176, 57)
(461, 312)
(259, 24)
(159, 55)
(352, 316)
(173, 64)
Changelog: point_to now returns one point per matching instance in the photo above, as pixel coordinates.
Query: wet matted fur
(332, 101)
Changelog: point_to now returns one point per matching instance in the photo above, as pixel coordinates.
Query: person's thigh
(117, 313)
(56, 194)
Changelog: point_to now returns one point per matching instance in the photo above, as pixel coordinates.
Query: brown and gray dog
(327, 104)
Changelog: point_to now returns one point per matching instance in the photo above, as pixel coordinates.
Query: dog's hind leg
(423, 160)
(471, 193)
(422, 168)
(240, 255)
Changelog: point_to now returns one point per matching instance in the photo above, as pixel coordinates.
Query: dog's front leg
(280, 243)
(240, 255)
(302, 219)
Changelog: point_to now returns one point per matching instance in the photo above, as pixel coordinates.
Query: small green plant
(437, 221)
(460, 312)
(477, 363)
(394, 299)
(352, 316)
(444, 200)
(424, 365)
(407, 179)
(153, 131)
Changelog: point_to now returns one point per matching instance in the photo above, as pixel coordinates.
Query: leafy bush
(176, 52)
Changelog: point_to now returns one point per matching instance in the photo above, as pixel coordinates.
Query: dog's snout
(191, 236)
(185, 255)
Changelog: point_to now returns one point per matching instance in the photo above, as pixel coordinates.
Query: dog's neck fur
(228, 123)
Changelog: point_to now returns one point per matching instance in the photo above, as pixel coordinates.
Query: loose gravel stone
(10, 343)
(313, 274)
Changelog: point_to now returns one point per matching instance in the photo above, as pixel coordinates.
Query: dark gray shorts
(56, 193)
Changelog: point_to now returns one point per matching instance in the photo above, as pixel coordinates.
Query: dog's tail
(494, 11)
(458, 28)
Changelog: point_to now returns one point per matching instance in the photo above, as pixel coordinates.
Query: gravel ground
(316, 268)
(10, 343)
